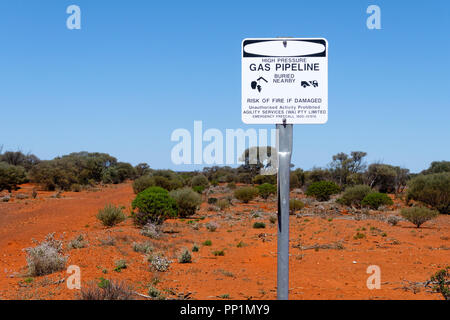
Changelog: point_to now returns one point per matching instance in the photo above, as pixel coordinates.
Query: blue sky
(137, 70)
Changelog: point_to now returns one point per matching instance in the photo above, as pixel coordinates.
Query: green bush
(153, 205)
(266, 189)
(295, 205)
(418, 215)
(375, 200)
(354, 195)
(11, 176)
(259, 225)
(185, 257)
(110, 215)
(431, 189)
(188, 201)
(322, 190)
(246, 194)
(199, 180)
(142, 183)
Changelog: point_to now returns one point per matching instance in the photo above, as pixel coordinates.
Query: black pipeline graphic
(256, 85)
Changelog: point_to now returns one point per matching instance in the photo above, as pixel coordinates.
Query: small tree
(419, 215)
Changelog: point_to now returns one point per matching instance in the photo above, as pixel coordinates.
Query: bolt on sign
(284, 79)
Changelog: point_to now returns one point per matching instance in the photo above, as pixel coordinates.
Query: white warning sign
(284, 79)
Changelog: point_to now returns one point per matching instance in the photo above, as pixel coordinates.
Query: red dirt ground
(403, 252)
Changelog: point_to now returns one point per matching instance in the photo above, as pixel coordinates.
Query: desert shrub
(295, 205)
(163, 182)
(207, 243)
(151, 230)
(195, 248)
(106, 290)
(212, 200)
(322, 190)
(160, 263)
(211, 226)
(223, 204)
(143, 247)
(111, 215)
(185, 257)
(155, 293)
(199, 180)
(77, 243)
(431, 189)
(374, 200)
(188, 201)
(153, 205)
(441, 282)
(76, 187)
(393, 220)
(273, 218)
(142, 183)
(263, 178)
(231, 185)
(294, 181)
(354, 195)
(11, 176)
(120, 265)
(418, 215)
(219, 253)
(259, 225)
(246, 194)
(46, 257)
(266, 189)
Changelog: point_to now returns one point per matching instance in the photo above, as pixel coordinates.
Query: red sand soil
(404, 253)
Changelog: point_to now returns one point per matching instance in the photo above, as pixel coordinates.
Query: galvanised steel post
(284, 141)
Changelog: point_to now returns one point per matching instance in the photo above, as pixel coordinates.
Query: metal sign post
(285, 138)
(284, 82)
